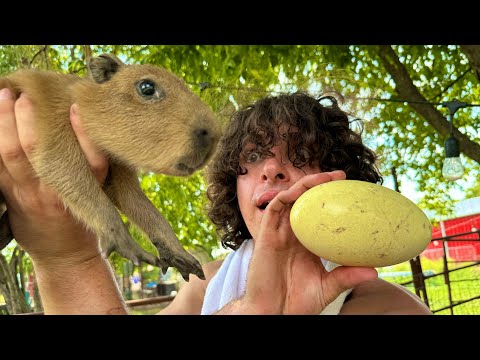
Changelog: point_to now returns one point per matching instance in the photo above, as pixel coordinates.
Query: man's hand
(38, 220)
(286, 278)
(72, 276)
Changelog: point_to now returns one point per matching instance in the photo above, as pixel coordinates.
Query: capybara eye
(146, 88)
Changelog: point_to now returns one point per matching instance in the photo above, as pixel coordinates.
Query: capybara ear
(103, 67)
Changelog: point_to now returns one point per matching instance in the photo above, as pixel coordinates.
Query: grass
(465, 284)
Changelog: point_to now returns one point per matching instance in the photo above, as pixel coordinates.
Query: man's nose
(274, 169)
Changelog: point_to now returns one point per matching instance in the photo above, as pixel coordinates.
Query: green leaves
(182, 202)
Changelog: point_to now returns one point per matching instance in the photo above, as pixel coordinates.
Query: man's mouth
(266, 198)
(264, 205)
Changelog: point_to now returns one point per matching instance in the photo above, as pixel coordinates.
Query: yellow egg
(357, 223)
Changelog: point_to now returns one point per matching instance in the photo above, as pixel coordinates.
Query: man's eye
(253, 156)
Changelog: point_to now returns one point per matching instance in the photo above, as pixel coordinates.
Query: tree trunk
(10, 289)
(472, 52)
(37, 301)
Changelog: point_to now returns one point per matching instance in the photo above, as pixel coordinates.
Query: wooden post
(415, 263)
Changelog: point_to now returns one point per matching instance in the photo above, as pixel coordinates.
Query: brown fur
(172, 132)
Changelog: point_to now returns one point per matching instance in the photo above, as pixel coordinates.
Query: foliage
(402, 138)
(236, 75)
(181, 201)
(12, 281)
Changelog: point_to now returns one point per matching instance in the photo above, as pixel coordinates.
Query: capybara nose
(204, 138)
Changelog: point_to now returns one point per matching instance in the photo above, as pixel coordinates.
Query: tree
(12, 287)
(407, 136)
(414, 132)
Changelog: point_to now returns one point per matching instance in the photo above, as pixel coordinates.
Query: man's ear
(103, 67)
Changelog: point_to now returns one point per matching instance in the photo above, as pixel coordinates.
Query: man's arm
(86, 288)
(72, 276)
(379, 297)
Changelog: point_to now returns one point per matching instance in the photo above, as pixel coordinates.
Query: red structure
(456, 250)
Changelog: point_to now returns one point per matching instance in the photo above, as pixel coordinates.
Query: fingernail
(5, 94)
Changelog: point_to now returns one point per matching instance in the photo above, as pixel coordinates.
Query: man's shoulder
(382, 297)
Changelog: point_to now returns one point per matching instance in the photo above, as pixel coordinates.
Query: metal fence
(458, 285)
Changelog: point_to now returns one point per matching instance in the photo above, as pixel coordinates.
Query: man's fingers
(13, 157)
(279, 208)
(288, 197)
(96, 159)
(6, 106)
(309, 181)
(25, 124)
(10, 147)
(338, 175)
(346, 277)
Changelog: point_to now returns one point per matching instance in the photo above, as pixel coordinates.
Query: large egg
(357, 223)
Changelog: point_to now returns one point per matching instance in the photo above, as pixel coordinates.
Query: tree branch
(407, 90)
(42, 50)
(452, 83)
(472, 52)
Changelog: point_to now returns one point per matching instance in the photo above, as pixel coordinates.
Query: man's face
(264, 179)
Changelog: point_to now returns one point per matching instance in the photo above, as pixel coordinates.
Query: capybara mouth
(184, 168)
(189, 164)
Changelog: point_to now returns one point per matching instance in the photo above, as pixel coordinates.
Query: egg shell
(357, 223)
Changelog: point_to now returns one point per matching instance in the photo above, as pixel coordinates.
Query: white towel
(230, 281)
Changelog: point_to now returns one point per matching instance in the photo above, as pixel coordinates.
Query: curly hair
(322, 136)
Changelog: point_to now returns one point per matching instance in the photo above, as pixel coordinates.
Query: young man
(271, 153)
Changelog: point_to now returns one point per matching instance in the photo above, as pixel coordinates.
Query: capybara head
(146, 117)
